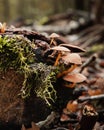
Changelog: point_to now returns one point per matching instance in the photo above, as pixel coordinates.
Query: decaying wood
(14, 109)
(31, 35)
(88, 119)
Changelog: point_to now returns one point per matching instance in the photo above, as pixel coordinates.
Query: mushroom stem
(51, 41)
(67, 71)
(57, 59)
(70, 85)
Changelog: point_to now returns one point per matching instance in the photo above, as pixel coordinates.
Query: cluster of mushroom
(68, 54)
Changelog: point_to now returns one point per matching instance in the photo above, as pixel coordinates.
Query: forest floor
(82, 106)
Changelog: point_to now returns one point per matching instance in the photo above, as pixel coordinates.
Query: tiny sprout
(2, 27)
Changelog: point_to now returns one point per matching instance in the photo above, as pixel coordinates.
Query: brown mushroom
(52, 37)
(60, 51)
(73, 48)
(72, 58)
(74, 78)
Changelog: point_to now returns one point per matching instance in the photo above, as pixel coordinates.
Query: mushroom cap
(74, 77)
(54, 35)
(73, 48)
(60, 48)
(72, 58)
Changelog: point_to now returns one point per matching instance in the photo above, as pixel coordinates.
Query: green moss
(16, 52)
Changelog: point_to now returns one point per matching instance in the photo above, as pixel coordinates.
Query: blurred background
(11, 10)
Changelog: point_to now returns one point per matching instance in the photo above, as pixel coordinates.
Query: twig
(82, 99)
(48, 120)
(88, 62)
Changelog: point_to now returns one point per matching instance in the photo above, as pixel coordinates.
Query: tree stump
(15, 110)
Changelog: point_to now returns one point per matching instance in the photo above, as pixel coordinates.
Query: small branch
(88, 62)
(48, 120)
(82, 99)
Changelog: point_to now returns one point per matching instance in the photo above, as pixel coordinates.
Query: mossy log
(15, 110)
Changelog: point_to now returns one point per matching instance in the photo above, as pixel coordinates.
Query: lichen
(17, 52)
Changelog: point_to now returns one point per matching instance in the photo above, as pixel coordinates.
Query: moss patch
(17, 52)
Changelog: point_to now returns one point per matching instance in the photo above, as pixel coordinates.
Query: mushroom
(60, 50)
(74, 78)
(52, 37)
(73, 48)
(74, 59)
